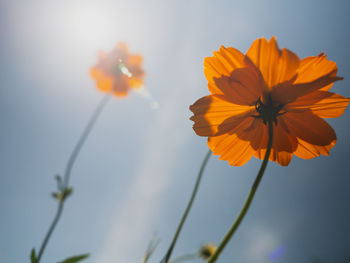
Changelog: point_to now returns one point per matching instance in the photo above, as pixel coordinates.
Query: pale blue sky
(137, 169)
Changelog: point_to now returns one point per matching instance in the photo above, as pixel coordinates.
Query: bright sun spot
(92, 24)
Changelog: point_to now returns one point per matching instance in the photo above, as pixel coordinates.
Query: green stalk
(189, 205)
(68, 170)
(246, 206)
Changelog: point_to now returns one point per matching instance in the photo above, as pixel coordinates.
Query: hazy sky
(137, 169)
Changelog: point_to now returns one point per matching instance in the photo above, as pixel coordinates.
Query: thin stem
(49, 232)
(83, 138)
(69, 167)
(189, 205)
(246, 206)
(184, 258)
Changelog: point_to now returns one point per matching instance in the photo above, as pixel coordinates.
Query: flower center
(268, 111)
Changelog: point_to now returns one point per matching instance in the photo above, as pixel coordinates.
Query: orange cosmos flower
(268, 84)
(118, 71)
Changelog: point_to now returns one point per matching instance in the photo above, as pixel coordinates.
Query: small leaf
(33, 258)
(55, 195)
(67, 192)
(75, 259)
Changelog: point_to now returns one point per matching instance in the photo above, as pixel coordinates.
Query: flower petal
(236, 151)
(211, 111)
(308, 151)
(275, 65)
(231, 147)
(322, 103)
(283, 145)
(118, 71)
(120, 87)
(103, 82)
(242, 87)
(222, 63)
(288, 93)
(314, 67)
(309, 127)
(133, 64)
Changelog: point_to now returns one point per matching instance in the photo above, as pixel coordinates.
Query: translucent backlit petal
(283, 146)
(275, 65)
(308, 151)
(223, 62)
(231, 147)
(285, 94)
(242, 87)
(322, 103)
(210, 112)
(314, 67)
(309, 128)
(105, 84)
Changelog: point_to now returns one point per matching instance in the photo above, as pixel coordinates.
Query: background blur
(136, 172)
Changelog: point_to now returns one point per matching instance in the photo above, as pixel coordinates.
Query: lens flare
(124, 69)
(147, 95)
(278, 253)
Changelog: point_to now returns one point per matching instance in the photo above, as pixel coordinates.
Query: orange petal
(322, 103)
(95, 73)
(135, 83)
(314, 67)
(309, 128)
(242, 87)
(234, 150)
(104, 83)
(308, 151)
(123, 47)
(211, 111)
(120, 93)
(120, 86)
(283, 145)
(275, 65)
(231, 147)
(222, 63)
(135, 60)
(288, 93)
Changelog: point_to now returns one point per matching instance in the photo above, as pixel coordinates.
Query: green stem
(246, 206)
(68, 170)
(189, 205)
(49, 232)
(83, 138)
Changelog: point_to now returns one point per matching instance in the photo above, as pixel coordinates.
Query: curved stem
(246, 206)
(49, 232)
(68, 170)
(83, 138)
(189, 205)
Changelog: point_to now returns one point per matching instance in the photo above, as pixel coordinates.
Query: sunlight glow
(92, 23)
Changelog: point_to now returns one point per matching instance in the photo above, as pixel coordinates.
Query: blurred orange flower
(118, 71)
(268, 85)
